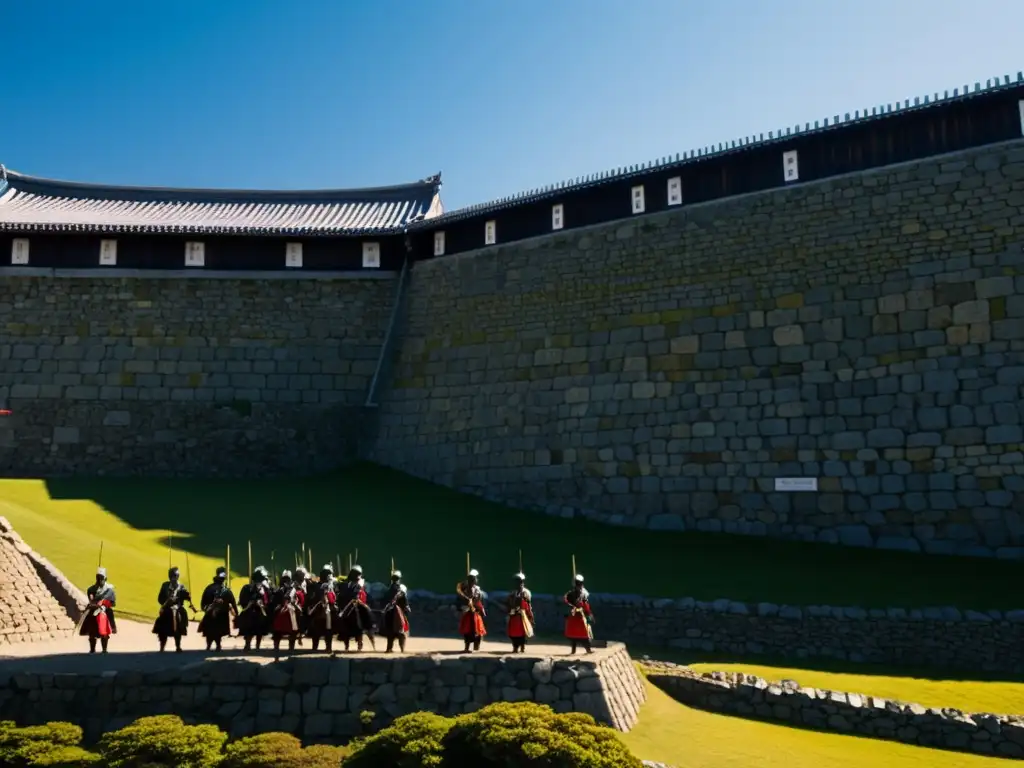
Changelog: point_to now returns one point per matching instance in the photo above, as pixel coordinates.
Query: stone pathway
(134, 647)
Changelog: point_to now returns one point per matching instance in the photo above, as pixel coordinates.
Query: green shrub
(411, 741)
(323, 756)
(265, 750)
(528, 734)
(52, 744)
(155, 742)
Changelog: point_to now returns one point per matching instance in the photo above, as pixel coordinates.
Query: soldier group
(322, 610)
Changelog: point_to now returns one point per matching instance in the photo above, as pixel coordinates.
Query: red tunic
(576, 625)
(471, 623)
(103, 628)
(518, 609)
(286, 617)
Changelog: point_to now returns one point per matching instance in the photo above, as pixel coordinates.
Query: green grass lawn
(671, 733)
(428, 529)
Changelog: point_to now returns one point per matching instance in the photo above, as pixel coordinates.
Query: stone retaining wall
(850, 713)
(941, 638)
(320, 698)
(35, 604)
(72, 599)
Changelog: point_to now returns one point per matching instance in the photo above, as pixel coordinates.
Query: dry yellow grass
(669, 732)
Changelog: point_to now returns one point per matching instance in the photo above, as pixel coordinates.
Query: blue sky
(499, 96)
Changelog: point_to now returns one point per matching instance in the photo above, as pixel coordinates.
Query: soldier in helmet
(355, 617)
(254, 617)
(287, 607)
(219, 607)
(520, 614)
(322, 609)
(305, 585)
(577, 623)
(471, 604)
(97, 622)
(394, 622)
(172, 621)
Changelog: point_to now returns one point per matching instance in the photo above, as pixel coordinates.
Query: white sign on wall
(371, 255)
(439, 243)
(795, 484)
(638, 199)
(195, 254)
(790, 166)
(293, 255)
(19, 250)
(108, 253)
(491, 232)
(1020, 106)
(557, 212)
(675, 191)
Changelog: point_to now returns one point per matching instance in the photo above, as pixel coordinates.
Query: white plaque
(371, 255)
(293, 255)
(108, 253)
(1020, 106)
(675, 191)
(19, 250)
(195, 254)
(790, 166)
(795, 484)
(557, 212)
(439, 243)
(638, 199)
(491, 232)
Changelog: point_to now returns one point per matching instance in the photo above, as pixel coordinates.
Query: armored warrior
(355, 618)
(287, 608)
(322, 608)
(577, 623)
(253, 619)
(471, 603)
(219, 607)
(305, 585)
(98, 622)
(520, 614)
(172, 621)
(394, 622)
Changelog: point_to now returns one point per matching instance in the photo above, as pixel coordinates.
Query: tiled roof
(29, 203)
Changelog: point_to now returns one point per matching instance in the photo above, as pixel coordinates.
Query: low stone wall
(942, 638)
(71, 598)
(850, 713)
(320, 699)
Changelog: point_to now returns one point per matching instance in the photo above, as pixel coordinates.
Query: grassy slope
(671, 733)
(428, 530)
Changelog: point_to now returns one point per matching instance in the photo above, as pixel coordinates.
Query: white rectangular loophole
(638, 199)
(371, 255)
(557, 216)
(675, 191)
(108, 253)
(195, 254)
(490, 232)
(293, 255)
(439, 243)
(19, 250)
(796, 484)
(1020, 106)
(790, 166)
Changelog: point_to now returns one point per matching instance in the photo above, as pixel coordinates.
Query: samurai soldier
(394, 622)
(355, 618)
(322, 609)
(306, 586)
(287, 609)
(172, 621)
(254, 618)
(471, 603)
(98, 622)
(520, 614)
(578, 623)
(219, 607)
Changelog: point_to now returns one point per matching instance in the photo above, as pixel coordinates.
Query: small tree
(411, 741)
(53, 744)
(528, 734)
(164, 740)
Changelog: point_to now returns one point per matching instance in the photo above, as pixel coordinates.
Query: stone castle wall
(321, 698)
(150, 375)
(941, 638)
(866, 331)
(849, 713)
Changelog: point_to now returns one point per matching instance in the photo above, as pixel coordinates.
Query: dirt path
(134, 647)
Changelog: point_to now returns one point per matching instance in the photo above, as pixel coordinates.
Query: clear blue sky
(499, 96)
